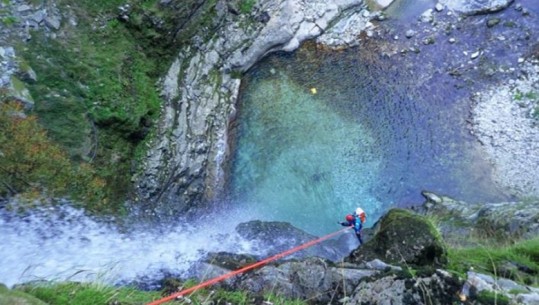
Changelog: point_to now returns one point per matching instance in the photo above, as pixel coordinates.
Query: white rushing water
(64, 244)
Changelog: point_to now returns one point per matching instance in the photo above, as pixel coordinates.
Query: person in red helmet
(356, 220)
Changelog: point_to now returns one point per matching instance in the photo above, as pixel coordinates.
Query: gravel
(504, 123)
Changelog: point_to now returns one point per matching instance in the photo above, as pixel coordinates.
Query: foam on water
(65, 244)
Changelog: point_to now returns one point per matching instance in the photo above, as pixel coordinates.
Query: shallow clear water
(375, 134)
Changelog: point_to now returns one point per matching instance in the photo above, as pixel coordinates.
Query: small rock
(439, 7)
(518, 7)
(53, 22)
(428, 40)
(431, 197)
(409, 33)
(452, 40)
(39, 16)
(427, 16)
(24, 8)
(520, 60)
(474, 55)
(492, 22)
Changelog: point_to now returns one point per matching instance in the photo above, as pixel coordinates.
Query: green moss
(246, 6)
(491, 298)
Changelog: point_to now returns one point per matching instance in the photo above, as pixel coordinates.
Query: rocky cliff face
(18, 19)
(185, 163)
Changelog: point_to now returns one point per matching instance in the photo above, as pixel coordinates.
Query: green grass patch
(246, 6)
(88, 294)
(492, 298)
(491, 259)
(9, 20)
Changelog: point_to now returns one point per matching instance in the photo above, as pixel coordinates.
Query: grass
(88, 294)
(491, 259)
(73, 293)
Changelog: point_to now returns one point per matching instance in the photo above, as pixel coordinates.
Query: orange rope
(246, 268)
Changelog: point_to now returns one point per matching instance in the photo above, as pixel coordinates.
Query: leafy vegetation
(95, 93)
(8, 20)
(32, 164)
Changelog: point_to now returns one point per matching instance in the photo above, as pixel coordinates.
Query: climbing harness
(246, 268)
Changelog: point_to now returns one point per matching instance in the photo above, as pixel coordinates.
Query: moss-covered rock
(403, 237)
(8, 296)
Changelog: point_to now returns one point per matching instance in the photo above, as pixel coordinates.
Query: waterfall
(62, 243)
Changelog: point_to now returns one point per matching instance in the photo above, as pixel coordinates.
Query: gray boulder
(271, 238)
(438, 289)
(312, 279)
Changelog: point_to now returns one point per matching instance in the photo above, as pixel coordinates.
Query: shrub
(30, 163)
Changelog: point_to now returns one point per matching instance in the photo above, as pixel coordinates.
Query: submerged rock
(475, 7)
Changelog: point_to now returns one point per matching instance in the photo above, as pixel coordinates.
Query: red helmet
(349, 217)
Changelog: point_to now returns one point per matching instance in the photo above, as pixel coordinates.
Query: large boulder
(438, 288)
(313, 279)
(402, 237)
(273, 237)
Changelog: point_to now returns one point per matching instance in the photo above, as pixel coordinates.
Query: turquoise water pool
(319, 133)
